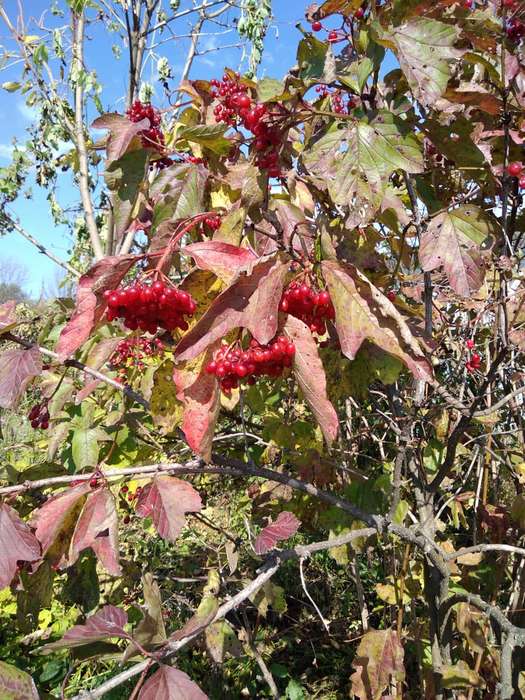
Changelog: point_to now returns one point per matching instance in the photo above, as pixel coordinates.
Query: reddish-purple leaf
(121, 132)
(378, 661)
(91, 305)
(97, 527)
(282, 528)
(199, 393)
(7, 316)
(311, 377)
(251, 301)
(18, 366)
(363, 312)
(166, 500)
(223, 259)
(58, 517)
(169, 683)
(16, 684)
(17, 543)
(108, 622)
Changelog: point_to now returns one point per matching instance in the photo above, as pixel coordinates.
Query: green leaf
(211, 136)
(36, 594)
(82, 585)
(294, 691)
(269, 89)
(232, 227)
(357, 161)
(424, 48)
(461, 676)
(85, 447)
(178, 194)
(10, 86)
(125, 177)
(314, 58)
(455, 142)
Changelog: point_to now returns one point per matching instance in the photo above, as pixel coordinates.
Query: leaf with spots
(166, 500)
(425, 51)
(453, 240)
(251, 301)
(166, 409)
(363, 312)
(17, 543)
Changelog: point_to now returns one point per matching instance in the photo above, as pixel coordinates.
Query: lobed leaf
(166, 500)
(285, 525)
(18, 366)
(378, 660)
(17, 543)
(169, 683)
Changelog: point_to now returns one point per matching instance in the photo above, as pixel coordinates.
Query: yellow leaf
(166, 409)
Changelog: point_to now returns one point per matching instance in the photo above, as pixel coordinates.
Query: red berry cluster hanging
(150, 306)
(515, 30)
(213, 222)
(337, 99)
(236, 107)
(39, 416)
(475, 360)
(152, 137)
(132, 351)
(313, 307)
(232, 365)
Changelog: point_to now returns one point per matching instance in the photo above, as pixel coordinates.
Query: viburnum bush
(274, 445)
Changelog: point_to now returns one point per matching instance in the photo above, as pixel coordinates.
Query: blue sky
(15, 116)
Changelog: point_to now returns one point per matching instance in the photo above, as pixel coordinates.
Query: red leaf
(223, 259)
(251, 302)
(55, 515)
(107, 622)
(91, 305)
(17, 543)
(7, 316)
(97, 527)
(169, 683)
(200, 394)
(311, 377)
(284, 527)
(17, 367)
(121, 132)
(166, 499)
(363, 312)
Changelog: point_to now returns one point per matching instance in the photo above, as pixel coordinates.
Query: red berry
(521, 182)
(126, 520)
(316, 26)
(333, 36)
(93, 482)
(515, 169)
(359, 13)
(469, 344)
(391, 295)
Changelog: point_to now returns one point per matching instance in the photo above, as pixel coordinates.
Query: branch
(269, 568)
(126, 390)
(485, 548)
(80, 141)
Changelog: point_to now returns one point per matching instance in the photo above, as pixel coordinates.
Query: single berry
(391, 295)
(359, 13)
(93, 482)
(469, 344)
(316, 26)
(333, 36)
(515, 169)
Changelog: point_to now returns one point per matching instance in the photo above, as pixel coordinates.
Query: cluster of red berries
(213, 222)
(152, 137)
(475, 360)
(150, 307)
(516, 170)
(39, 416)
(236, 107)
(337, 99)
(233, 364)
(516, 30)
(311, 306)
(132, 351)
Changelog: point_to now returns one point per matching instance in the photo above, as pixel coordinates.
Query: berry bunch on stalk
(133, 351)
(152, 137)
(236, 108)
(311, 305)
(233, 365)
(150, 306)
(516, 170)
(39, 416)
(337, 99)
